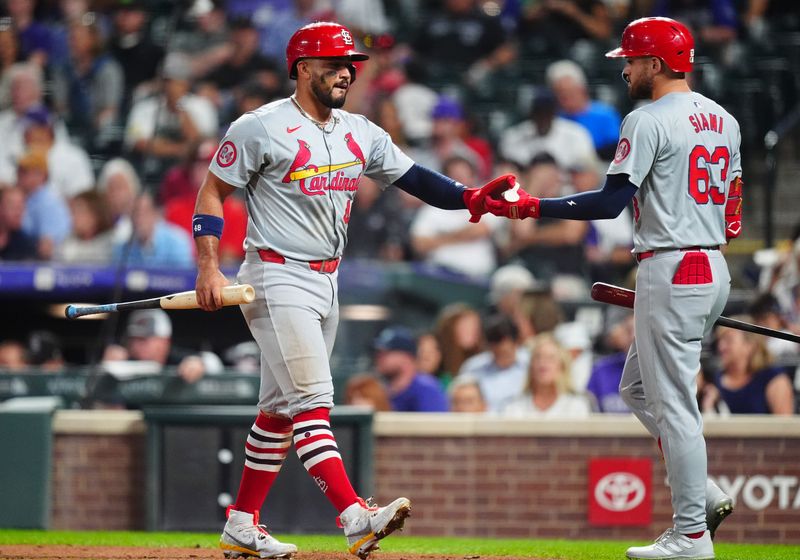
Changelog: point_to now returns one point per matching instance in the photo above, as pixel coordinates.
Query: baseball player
(678, 160)
(299, 161)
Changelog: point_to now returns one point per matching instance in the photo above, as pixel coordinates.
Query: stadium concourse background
(97, 448)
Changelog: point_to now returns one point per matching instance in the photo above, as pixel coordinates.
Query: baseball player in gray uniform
(678, 160)
(299, 161)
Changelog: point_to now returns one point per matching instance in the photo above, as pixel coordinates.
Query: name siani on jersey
(702, 122)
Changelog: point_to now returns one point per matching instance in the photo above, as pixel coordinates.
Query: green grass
(567, 550)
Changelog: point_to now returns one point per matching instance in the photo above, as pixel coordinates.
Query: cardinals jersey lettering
(299, 181)
(682, 151)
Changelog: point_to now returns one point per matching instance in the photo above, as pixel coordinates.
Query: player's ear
(304, 67)
(656, 64)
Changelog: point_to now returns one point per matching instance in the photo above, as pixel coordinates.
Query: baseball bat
(231, 295)
(615, 295)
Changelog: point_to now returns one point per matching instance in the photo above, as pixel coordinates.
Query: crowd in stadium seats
(110, 111)
(519, 357)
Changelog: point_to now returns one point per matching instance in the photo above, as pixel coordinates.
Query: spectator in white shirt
(549, 394)
(70, 168)
(545, 132)
(167, 126)
(447, 239)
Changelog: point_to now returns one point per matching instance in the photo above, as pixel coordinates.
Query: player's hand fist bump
(517, 206)
(475, 199)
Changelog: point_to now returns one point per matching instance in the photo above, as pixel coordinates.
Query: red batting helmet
(322, 39)
(665, 38)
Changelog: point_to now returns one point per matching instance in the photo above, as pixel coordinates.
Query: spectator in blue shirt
(47, 215)
(395, 361)
(155, 242)
(502, 370)
(568, 83)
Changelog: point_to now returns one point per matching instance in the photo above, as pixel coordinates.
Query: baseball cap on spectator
(177, 66)
(33, 159)
(510, 278)
(396, 338)
(245, 357)
(149, 322)
(544, 102)
(447, 108)
(37, 116)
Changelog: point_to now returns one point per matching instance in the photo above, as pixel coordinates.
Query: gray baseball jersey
(682, 151)
(300, 181)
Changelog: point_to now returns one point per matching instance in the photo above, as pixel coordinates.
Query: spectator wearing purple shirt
(607, 371)
(395, 361)
(36, 40)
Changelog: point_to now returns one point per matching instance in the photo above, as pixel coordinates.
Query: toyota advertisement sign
(620, 491)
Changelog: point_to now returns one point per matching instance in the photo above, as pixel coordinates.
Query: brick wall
(536, 486)
(483, 477)
(98, 479)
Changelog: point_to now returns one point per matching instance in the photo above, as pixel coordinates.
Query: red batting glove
(526, 207)
(475, 199)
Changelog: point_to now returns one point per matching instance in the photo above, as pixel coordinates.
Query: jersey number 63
(703, 182)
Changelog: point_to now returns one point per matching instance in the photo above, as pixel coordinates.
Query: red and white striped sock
(266, 448)
(317, 449)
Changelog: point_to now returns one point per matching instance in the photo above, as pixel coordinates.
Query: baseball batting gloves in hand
(526, 207)
(733, 210)
(476, 199)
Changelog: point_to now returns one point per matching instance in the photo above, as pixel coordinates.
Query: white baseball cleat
(364, 524)
(244, 537)
(671, 544)
(718, 506)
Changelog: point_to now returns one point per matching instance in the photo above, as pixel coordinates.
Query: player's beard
(326, 97)
(642, 88)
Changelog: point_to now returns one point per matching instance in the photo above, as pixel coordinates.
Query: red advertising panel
(620, 491)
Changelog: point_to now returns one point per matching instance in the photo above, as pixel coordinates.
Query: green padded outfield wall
(26, 439)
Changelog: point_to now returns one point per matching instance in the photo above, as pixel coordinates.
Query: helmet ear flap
(352, 69)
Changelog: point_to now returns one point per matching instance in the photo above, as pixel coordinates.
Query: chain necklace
(333, 120)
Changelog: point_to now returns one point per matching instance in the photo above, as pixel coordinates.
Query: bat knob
(69, 312)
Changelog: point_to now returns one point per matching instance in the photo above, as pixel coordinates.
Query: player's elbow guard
(733, 210)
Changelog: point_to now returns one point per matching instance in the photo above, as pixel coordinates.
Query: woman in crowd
(748, 382)
(548, 393)
(459, 331)
(92, 235)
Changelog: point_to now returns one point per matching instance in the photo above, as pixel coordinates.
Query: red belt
(647, 254)
(327, 266)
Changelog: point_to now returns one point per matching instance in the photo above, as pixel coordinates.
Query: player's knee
(278, 412)
(310, 401)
